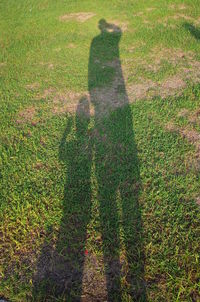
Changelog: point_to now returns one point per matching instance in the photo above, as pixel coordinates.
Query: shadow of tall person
(60, 268)
(116, 165)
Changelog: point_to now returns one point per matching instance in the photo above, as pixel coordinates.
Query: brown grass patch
(80, 17)
(198, 201)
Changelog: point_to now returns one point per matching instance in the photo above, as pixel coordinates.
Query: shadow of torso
(105, 79)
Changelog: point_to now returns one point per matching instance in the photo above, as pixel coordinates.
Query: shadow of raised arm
(194, 31)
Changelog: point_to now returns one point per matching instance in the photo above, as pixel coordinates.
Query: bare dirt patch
(64, 274)
(192, 163)
(2, 64)
(71, 45)
(61, 106)
(192, 116)
(191, 135)
(178, 6)
(181, 16)
(175, 20)
(139, 14)
(33, 86)
(26, 116)
(147, 89)
(170, 85)
(39, 166)
(150, 9)
(173, 55)
(132, 48)
(109, 98)
(141, 90)
(176, 17)
(47, 93)
(49, 65)
(57, 49)
(184, 112)
(192, 159)
(182, 7)
(61, 102)
(80, 17)
(122, 25)
(94, 281)
(185, 68)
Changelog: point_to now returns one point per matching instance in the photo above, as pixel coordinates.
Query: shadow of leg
(60, 266)
(111, 242)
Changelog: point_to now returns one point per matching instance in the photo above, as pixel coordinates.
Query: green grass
(101, 203)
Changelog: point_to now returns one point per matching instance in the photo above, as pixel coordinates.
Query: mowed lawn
(100, 150)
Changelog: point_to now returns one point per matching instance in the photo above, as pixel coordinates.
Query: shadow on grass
(195, 32)
(110, 147)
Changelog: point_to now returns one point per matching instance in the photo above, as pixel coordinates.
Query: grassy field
(100, 150)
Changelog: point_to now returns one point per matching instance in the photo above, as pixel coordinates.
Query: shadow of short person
(60, 268)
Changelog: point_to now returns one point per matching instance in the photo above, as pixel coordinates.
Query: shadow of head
(106, 27)
(83, 108)
(194, 31)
